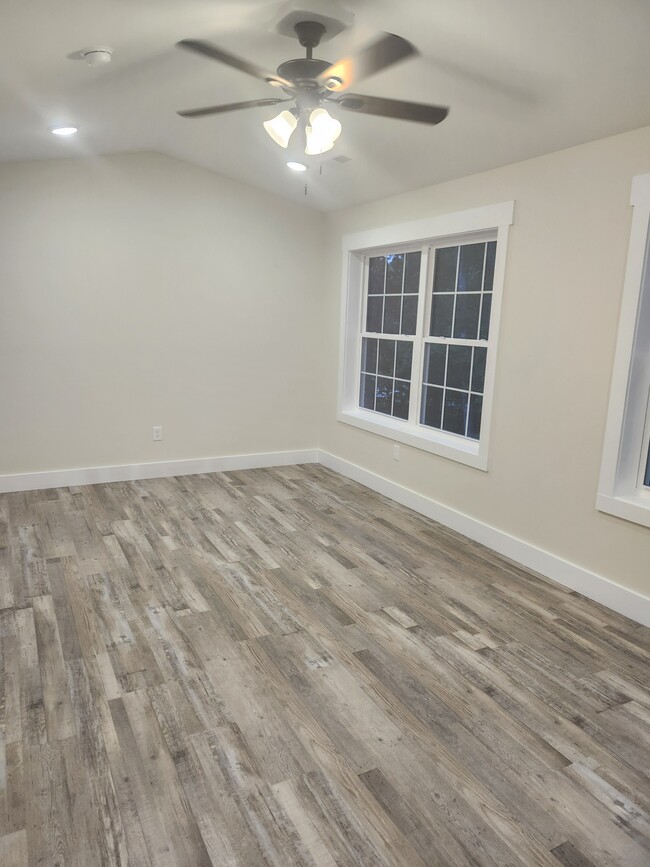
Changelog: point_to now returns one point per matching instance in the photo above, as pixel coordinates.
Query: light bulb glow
(322, 131)
(64, 130)
(281, 128)
(296, 167)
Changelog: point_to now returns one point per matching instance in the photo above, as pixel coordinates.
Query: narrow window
(624, 488)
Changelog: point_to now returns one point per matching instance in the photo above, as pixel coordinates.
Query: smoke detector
(97, 56)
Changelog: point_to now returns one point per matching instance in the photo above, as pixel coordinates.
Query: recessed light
(297, 167)
(64, 130)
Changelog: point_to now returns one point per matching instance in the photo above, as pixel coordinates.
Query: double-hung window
(419, 331)
(624, 488)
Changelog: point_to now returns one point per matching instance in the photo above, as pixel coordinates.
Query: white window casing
(476, 225)
(621, 489)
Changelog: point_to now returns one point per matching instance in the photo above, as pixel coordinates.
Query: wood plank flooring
(280, 667)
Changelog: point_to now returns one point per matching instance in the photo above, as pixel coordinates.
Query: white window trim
(620, 489)
(496, 218)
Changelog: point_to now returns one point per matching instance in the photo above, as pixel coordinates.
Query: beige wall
(564, 277)
(137, 290)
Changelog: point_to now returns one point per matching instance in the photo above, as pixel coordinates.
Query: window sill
(437, 442)
(632, 508)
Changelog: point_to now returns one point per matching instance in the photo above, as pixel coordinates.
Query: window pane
(384, 395)
(435, 359)
(392, 307)
(455, 411)
(444, 274)
(367, 396)
(466, 321)
(412, 273)
(470, 268)
(431, 406)
(646, 481)
(386, 358)
(394, 272)
(489, 266)
(484, 331)
(478, 370)
(375, 313)
(376, 271)
(442, 311)
(475, 410)
(459, 364)
(404, 359)
(409, 314)
(369, 355)
(401, 399)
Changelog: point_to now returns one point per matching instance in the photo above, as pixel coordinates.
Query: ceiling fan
(307, 128)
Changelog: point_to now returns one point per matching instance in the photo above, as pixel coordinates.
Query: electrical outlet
(157, 433)
(395, 452)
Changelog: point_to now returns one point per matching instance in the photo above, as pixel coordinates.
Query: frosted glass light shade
(281, 128)
(322, 131)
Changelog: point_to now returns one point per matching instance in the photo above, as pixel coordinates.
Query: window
(421, 306)
(624, 488)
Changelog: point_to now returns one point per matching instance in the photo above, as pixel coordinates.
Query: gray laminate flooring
(280, 667)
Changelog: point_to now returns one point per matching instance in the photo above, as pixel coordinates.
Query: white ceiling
(522, 77)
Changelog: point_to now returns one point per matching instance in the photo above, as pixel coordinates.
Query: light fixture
(296, 167)
(334, 82)
(64, 130)
(320, 131)
(281, 127)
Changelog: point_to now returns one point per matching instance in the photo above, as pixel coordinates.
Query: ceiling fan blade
(233, 106)
(395, 108)
(388, 49)
(198, 46)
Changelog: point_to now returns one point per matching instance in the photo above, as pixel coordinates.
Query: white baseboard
(155, 470)
(596, 587)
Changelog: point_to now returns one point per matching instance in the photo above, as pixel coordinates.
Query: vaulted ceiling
(521, 78)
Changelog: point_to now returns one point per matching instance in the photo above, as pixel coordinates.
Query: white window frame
(460, 227)
(621, 491)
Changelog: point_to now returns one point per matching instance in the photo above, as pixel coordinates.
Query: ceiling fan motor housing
(303, 70)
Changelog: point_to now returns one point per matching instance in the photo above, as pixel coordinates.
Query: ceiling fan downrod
(303, 71)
